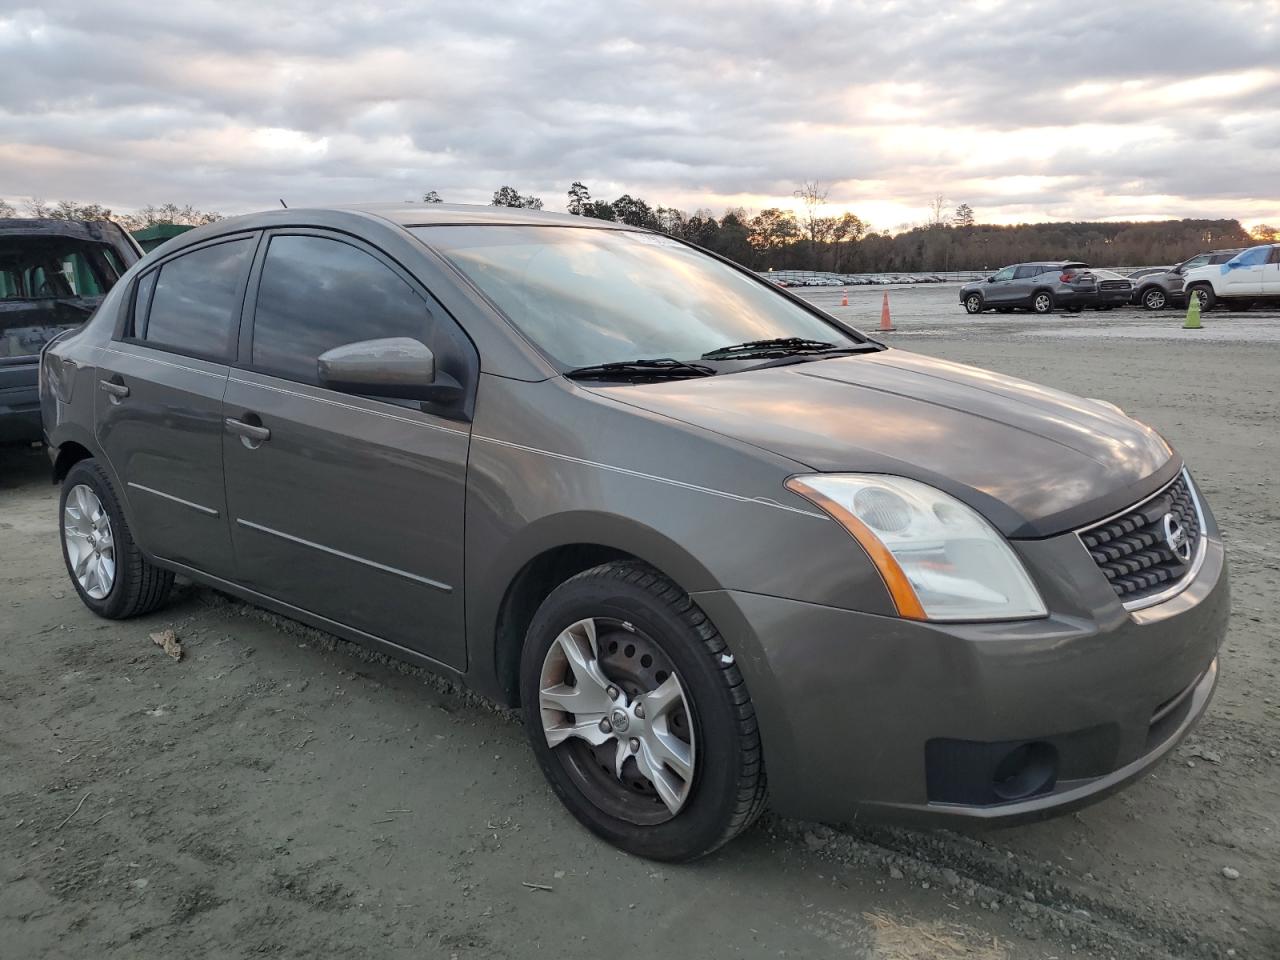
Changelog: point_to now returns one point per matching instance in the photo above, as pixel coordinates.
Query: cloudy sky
(1027, 111)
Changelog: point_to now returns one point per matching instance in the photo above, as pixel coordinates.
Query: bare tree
(937, 211)
(1265, 233)
(814, 197)
(151, 215)
(6, 209)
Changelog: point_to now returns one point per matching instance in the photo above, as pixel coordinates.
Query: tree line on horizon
(783, 239)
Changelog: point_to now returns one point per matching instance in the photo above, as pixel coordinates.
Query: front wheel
(639, 716)
(107, 569)
(1155, 299)
(1042, 302)
(1206, 297)
(973, 303)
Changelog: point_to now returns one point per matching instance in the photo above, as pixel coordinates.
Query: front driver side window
(317, 293)
(1005, 274)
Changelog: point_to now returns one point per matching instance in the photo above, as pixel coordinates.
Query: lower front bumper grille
(1152, 549)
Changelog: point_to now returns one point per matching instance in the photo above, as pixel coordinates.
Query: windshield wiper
(657, 369)
(777, 347)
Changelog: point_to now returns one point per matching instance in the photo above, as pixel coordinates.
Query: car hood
(1033, 460)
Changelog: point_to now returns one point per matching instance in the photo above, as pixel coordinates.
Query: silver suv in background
(1040, 287)
(1155, 291)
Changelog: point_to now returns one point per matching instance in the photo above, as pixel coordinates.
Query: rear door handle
(118, 391)
(250, 431)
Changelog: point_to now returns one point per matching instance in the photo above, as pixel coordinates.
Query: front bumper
(905, 720)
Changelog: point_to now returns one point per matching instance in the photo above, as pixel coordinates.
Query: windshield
(588, 296)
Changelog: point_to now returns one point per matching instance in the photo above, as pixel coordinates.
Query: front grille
(1114, 285)
(1133, 550)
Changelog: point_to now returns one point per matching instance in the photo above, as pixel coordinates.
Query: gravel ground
(277, 793)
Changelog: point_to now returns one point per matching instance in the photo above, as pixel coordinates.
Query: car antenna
(283, 204)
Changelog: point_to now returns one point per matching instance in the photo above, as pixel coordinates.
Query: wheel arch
(545, 555)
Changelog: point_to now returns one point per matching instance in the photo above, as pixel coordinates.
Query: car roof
(432, 214)
(97, 231)
(1055, 264)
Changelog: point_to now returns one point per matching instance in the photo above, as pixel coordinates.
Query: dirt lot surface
(277, 793)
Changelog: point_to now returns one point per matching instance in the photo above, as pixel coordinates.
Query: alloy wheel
(616, 715)
(973, 304)
(1155, 300)
(86, 529)
(1043, 303)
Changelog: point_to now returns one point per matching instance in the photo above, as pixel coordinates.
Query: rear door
(1271, 274)
(158, 406)
(345, 506)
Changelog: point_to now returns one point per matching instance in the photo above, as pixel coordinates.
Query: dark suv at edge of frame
(702, 532)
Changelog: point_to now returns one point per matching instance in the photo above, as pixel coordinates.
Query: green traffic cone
(1193, 314)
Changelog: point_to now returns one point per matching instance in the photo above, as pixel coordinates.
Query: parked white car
(1252, 274)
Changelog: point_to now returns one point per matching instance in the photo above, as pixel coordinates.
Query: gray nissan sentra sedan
(696, 528)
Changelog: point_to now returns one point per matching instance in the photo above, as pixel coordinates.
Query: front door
(344, 506)
(1000, 288)
(1242, 275)
(158, 402)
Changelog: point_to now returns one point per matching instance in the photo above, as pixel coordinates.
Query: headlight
(939, 558)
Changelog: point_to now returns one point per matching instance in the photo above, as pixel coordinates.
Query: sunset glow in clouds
(1027, 112)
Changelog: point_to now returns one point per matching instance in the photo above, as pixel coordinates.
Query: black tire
(727, 791)
(139, 586)
(973, 303)
(1208, 300)
(1042, 302)
(1154, 298)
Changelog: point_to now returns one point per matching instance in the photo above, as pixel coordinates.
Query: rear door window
(318, 293)
(195, 306)
(1027, 272)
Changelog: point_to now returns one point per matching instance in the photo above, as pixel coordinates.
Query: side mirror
(393, 367)
(991, 279)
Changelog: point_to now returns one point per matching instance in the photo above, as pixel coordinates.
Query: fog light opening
(1026, 771)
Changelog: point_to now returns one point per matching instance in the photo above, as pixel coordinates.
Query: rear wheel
(1155, 299)
(1042, 302)
(639, 716)
(973, 303)
(106, 567)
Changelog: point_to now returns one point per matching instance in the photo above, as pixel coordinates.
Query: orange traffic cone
(886, 321)
(844, 300)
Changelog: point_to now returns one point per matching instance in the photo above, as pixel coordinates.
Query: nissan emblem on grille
(1150, 548)
(1176, 536)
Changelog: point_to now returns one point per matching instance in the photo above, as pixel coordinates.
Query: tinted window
(1022, 273)
(142, 300)
(1275, 254)
(196, 303)
(1005, 274)
(317, 294)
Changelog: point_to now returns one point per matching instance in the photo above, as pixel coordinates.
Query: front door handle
(117, 391)
(249, 431)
